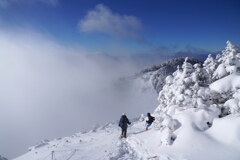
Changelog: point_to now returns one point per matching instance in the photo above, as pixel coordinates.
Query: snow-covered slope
(220, 142)
(198, 118)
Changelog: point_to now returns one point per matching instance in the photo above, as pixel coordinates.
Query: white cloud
(48, 90)
(102, 19)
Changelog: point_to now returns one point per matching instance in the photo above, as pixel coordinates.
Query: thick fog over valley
(49, 90)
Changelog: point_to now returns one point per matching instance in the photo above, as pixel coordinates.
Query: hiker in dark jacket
(123, 123)
(150, 120)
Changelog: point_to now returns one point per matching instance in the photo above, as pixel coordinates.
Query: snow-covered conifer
(209, 66)
(229, 61)
(180, 91)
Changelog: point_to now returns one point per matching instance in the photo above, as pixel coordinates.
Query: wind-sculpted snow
(228, 83)
(194, 140)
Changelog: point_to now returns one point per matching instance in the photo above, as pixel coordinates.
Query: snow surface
(228, 83)
(193, 142)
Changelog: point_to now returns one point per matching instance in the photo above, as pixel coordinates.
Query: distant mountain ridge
(3, 158)
(156, 74)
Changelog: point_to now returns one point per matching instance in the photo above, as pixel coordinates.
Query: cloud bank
(49, 90)
(102, 19)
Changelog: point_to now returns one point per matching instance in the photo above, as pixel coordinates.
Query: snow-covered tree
(210, 66)
(184, 89)
(188, 87)
(228, 61)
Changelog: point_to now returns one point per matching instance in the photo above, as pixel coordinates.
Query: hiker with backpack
(149, 121)
(123, 123)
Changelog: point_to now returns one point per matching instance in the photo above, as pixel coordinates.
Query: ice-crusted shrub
(167, 127)
(219, 100)
(170, 123)
(234, 103)
(166, 121)
(167, 137)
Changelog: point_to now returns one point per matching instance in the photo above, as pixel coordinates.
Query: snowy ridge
(154, 76)
(198, 118)
(100, 143)
(104, 143)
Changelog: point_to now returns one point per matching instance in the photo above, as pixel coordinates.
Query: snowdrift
(194, 140)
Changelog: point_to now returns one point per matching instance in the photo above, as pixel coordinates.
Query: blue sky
(202, 24)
